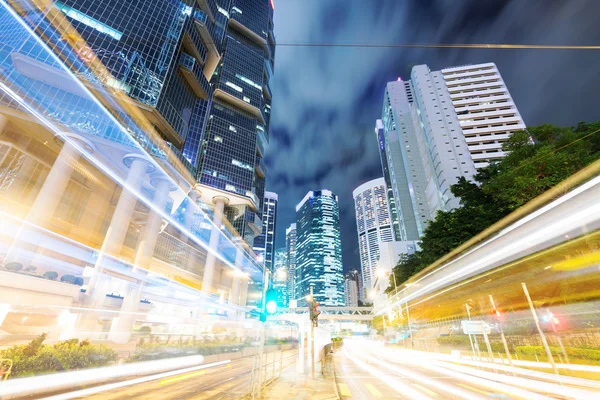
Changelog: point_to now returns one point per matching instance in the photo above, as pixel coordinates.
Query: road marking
(344, 391)
(473, 389)
(373, 390)
(180, 378)
(429, 392)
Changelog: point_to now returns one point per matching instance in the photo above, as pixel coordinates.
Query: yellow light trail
(182, 377)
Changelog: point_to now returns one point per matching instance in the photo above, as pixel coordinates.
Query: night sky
(326, 99)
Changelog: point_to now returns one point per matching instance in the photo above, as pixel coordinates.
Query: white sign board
(475, 327)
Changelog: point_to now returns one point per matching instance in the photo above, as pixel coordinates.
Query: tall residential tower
(437, 127)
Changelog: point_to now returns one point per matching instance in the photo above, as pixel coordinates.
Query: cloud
(326, 99)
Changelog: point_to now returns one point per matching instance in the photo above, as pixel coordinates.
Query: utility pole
(312, 338)
(261, 346)
(474, 336)
(539, 328)
(502, 333)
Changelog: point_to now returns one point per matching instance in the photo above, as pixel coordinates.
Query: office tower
(357, 276)
(280, 276)
(373, 223)
(161, 57)
(350, 291)
(290, 248)
(237, 130)
(264, 244)
(440, 126)
(319, 248)
(386, 176)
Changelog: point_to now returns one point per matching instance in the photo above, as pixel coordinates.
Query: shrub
(14, 266)
(38, 358)
(50, 275)
(572, 352)
(31, 269)
(156, 351)
(73, 280)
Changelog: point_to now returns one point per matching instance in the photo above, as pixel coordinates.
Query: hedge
(38, 358)
(572, 352)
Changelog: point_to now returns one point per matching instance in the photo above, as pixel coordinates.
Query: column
(121, 330)
(4, 309)
(119, 223)
(190, 210)
(49, 196)
(209, 268)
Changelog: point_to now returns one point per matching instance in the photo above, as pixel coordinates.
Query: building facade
(319, 249)
(264, 244)
(290, 248)
(373, 223)
(386, 176)
(389, 255)
(280, 276)
(437, 127)
(237, 129)
(350, 291)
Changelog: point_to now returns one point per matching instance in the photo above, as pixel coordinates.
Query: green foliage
(572, 352)
(537, 160)
(14, 266)
(31, 269)
(37, 358)
(50, 275)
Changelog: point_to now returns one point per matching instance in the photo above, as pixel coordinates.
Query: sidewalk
(293, 386)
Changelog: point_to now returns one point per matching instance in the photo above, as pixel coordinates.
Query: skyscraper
(319, 249)
(264, 244)
(199, 72)
(373, 223)
(280, 276)
(386, 176)
(437, 127)
(237, 130)
(290, 248)
(350, 291)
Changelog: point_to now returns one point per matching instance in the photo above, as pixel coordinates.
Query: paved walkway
(293, 386)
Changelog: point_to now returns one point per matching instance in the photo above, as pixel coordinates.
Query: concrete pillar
(209, 268)
(49, 197)
(190, 210)
(244, 292)
(145, 249)
(122, 328)
(119, 223)
(4, 309)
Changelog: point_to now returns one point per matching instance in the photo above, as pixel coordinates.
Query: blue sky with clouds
(326, 99)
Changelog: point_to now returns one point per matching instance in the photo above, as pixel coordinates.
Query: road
(225, 381)
(368, 370)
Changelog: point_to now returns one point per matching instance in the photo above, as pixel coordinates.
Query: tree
(536, 161)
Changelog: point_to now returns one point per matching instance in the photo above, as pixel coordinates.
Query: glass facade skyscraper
(199, 72)
(319, 249)
(264, 244)
(237, 130)
(280, 276)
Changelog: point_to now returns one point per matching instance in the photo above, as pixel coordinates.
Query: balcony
(253, 197)
(194, 75)
(260, 168)
(205, 26)
(267, 91)
(261, 142)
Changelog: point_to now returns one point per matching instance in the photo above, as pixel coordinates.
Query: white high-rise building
(485, 109)
(373, 223)
(437, 127)
(351, 291)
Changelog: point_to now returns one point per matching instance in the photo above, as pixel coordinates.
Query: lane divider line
(344, 390)
(424, 389)
(373, 390)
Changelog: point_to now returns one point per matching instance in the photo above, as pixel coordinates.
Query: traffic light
(314, 312)
(271, 302)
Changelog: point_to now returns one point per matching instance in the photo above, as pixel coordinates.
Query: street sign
(475, 327)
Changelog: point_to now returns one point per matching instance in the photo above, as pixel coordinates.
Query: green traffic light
(271, 307)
